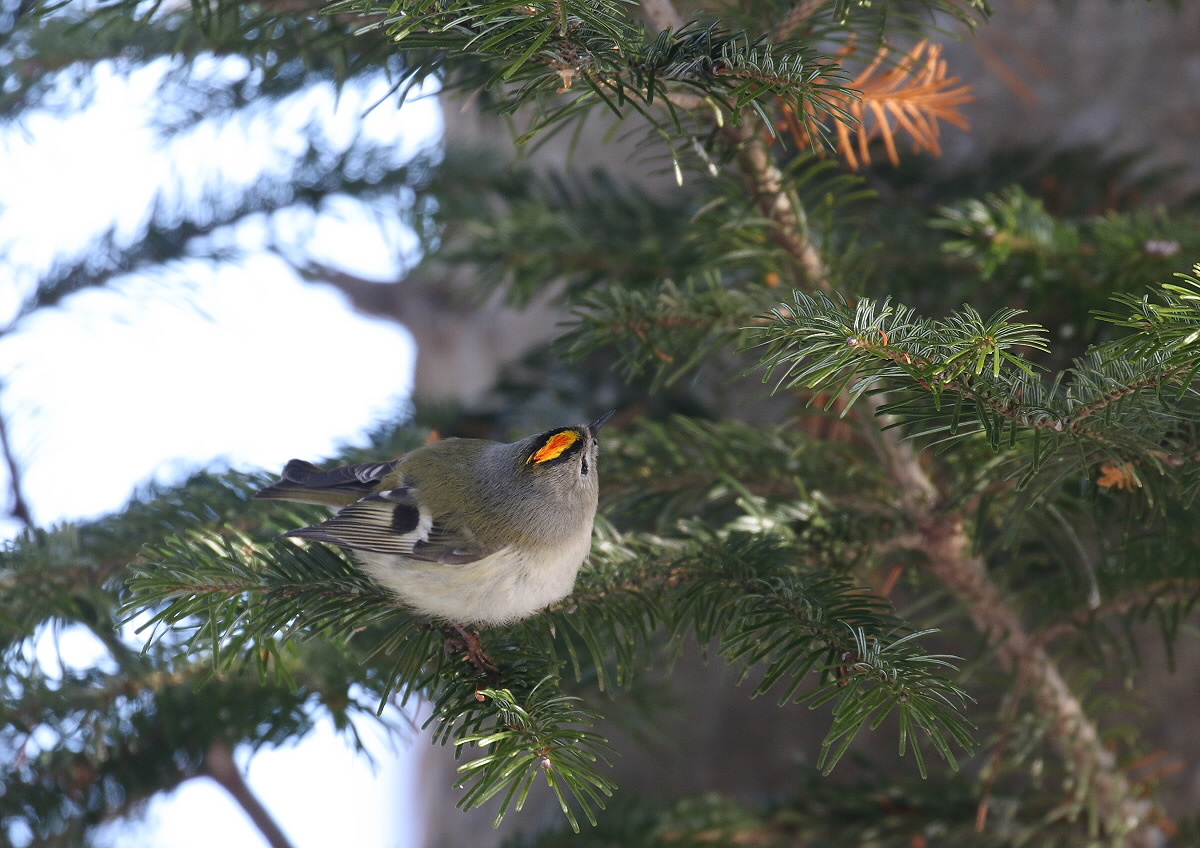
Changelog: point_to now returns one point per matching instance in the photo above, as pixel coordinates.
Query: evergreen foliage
(917, 469)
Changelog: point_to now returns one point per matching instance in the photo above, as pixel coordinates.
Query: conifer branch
(552, 45)
(545, 734)
(247, 605)
(943, 538)
(1157, 378)
(947, 546)
(995, 392)
(789, 622)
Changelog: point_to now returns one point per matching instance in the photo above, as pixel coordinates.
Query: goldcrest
(468, 530)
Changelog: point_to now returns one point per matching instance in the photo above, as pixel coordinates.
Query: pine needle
(908, 96)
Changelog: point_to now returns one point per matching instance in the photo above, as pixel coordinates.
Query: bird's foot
(466, 642)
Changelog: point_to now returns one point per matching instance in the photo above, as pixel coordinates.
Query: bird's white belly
(503, 587)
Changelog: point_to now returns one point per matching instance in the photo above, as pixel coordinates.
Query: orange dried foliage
(910, 95)
(1118, 475)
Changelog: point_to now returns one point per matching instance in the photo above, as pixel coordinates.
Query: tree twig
(219, 765)
(766, 182)
(1160, 591)
(20, 507)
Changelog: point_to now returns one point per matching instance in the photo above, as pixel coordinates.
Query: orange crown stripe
(555, 446)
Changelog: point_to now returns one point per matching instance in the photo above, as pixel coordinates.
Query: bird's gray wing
(391, 522)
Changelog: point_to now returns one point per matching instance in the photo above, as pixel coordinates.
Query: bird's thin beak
(595, 426)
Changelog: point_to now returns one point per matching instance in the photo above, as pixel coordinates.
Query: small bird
(468, 530)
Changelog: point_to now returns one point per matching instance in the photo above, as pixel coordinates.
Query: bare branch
(20, 507)
(219, 765)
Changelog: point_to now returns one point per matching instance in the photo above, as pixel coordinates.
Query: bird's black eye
(583, 469)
